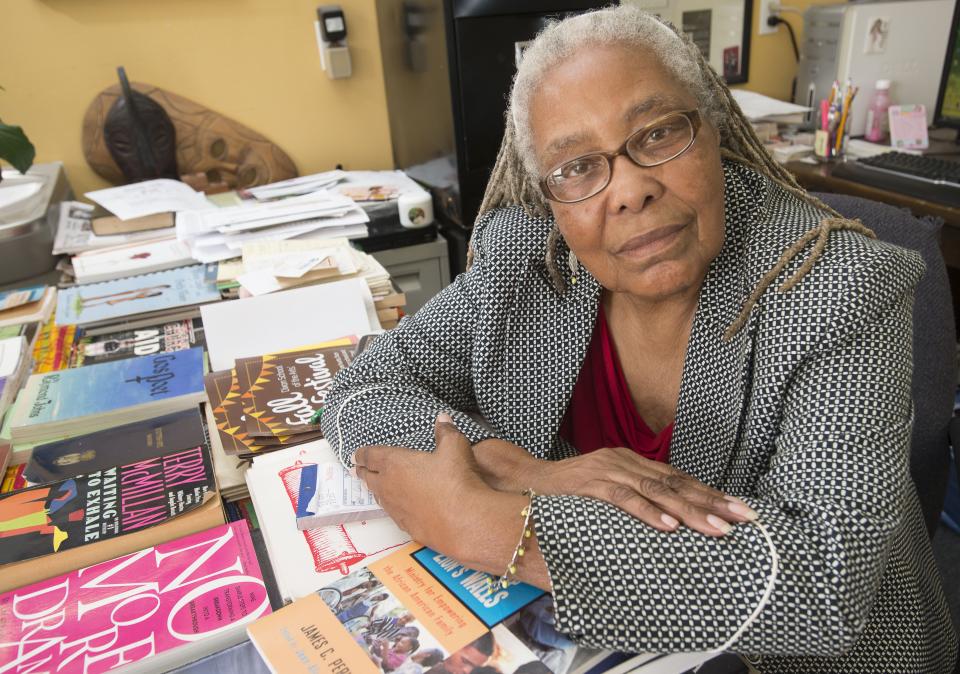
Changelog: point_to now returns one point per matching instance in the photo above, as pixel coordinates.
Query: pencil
(843, 120)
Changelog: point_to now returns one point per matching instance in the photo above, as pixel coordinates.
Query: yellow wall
(772, 64)
(253, 60)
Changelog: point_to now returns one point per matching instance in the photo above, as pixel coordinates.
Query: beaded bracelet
(504, 580)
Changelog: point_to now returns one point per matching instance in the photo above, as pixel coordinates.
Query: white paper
(757, 106)
(296, 186)
(287, 320)
(259, 282)
(149, 197)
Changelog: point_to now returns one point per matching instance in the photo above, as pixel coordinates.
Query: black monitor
(948, 98)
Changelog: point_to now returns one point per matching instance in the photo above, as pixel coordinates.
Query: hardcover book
(290, 388)
(83, 400)
(163, 337)
(103, 504)
(156, 292)
(152, 610)
(129, 443)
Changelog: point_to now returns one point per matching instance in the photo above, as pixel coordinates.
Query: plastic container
(878, 124)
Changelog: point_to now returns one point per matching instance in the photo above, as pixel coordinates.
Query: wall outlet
(766, 11)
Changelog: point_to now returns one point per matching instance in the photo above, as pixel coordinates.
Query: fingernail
(669, 521)
(719, 524)
(742, 509)
(444, 418)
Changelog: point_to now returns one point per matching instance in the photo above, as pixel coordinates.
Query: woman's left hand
(430, 495)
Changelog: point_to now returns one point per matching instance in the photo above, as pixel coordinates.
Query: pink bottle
(877, 121)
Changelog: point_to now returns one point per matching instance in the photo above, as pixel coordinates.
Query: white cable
(765, 598)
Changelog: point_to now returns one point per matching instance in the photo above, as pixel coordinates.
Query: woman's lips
(643, 244)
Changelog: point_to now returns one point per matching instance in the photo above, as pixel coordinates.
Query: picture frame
(721, 28)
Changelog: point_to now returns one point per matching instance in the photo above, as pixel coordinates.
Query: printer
(903, 41)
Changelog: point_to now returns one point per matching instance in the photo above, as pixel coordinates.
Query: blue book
(87, 399)
(146, 294)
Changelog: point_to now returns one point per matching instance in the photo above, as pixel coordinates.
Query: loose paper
(148, 197)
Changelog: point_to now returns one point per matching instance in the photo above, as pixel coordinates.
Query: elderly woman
(685, 380)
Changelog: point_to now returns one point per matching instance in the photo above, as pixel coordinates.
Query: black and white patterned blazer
(805, 414)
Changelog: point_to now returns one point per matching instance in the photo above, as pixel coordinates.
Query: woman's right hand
(653, 492)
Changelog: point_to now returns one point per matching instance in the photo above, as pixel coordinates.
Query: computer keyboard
(919, 176)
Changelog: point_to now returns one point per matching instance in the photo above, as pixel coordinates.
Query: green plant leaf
(16, 148)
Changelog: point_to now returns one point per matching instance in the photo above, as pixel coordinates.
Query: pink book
(148, 611)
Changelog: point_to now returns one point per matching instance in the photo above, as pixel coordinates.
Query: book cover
(163, 337)
(13, 478)
(102, 504)
(172, 603)
(131, 260)
(11, 299)
(329, 494)
(129, 443)
(290, 388)
(112, 300)
(31, 312)
(412, 611)
(306, 560)
(223, 393)
(83, 392)
(53, 349)
(242, 658)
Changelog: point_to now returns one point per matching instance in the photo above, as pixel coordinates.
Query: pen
(315, 417)
(824, 111)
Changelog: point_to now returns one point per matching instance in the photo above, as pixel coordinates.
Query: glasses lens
(661, 142)
(579, 178)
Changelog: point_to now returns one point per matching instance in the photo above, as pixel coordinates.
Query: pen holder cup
(825, 148)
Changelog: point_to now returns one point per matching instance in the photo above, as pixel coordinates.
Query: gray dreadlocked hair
(514, 178)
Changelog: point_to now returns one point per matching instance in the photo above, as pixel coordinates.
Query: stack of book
(127, 525)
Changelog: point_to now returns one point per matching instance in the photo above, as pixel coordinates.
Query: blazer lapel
(539, 389)
(717, 373)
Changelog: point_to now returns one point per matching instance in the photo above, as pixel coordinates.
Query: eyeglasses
(656, 143)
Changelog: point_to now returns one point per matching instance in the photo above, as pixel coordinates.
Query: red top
(601, 411)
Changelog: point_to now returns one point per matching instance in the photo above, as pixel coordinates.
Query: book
(6, 452)
(282, 323)
(330, 495)
(139, 441)
(290, 388)
(304, 561)
(14, 363)
(163, 337)
(37, 311)
(87, 399)
(110, 301)
(148, 611)
(13, 477)
(416, 611)
(111, 225)
(53, 348)
(242, 657)
(96, 506)
(130, 260)
(10, 299)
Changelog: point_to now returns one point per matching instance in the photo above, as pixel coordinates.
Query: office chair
(934, 344)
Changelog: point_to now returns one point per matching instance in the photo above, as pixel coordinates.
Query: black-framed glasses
(656, 143)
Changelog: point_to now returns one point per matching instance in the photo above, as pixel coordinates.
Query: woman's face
(652, 232)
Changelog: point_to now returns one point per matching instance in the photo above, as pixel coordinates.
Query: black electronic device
(947, 112)
(333, 24)
(920, 176)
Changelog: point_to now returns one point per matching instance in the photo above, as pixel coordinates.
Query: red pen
(824, 113)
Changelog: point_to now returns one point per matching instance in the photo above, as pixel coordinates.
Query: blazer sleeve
(391, 394)
(831, 501)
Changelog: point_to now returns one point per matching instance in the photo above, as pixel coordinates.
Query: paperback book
(290, 389)
(418, 611)
(149, 611)
(329, 495)
(97, 506)
(111, 301)
(82, 400)
(130, 260)
(163, 337)
(129, 443)
(53, 349)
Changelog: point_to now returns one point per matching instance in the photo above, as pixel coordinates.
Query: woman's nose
(632, 188)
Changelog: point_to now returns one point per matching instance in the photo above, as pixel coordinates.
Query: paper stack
(215, 235)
